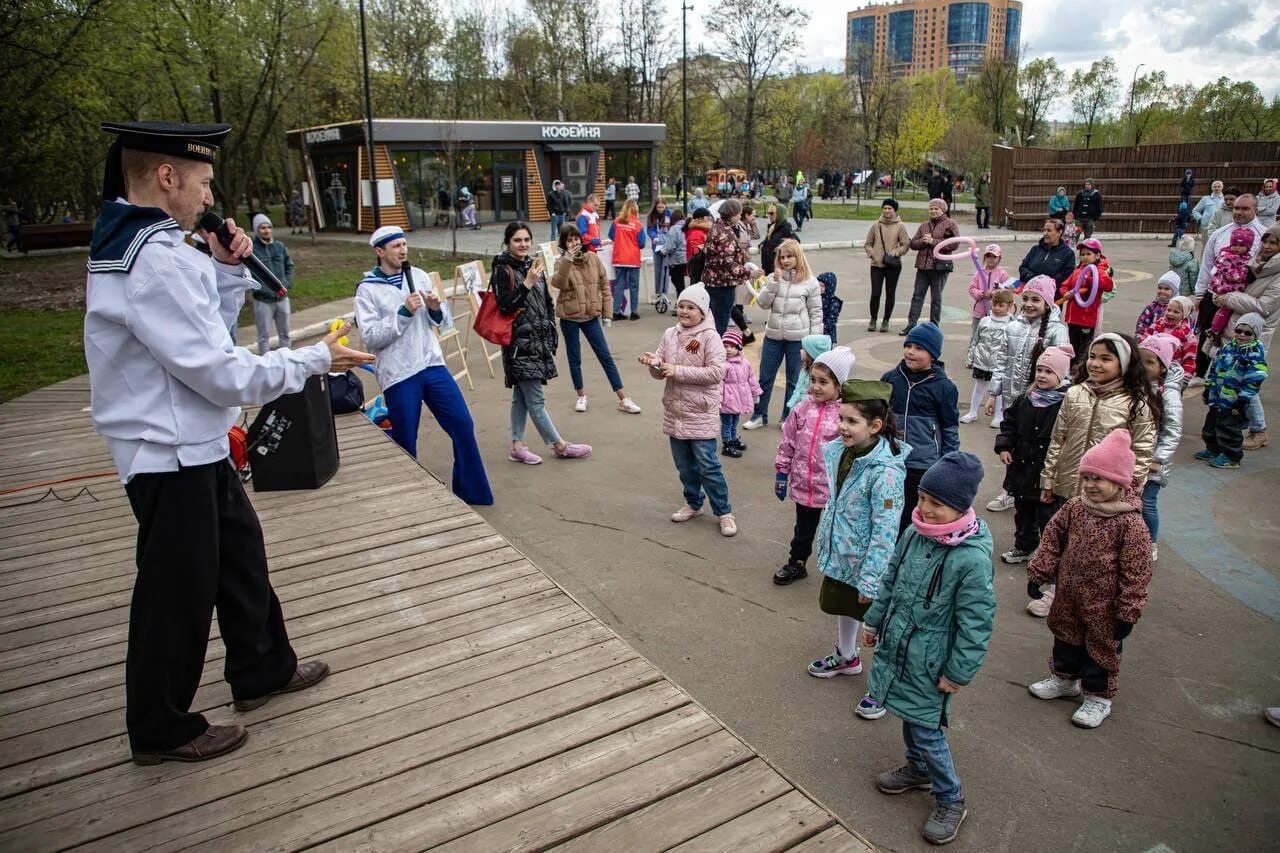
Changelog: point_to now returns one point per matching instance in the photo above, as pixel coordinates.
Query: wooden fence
(1139, 184)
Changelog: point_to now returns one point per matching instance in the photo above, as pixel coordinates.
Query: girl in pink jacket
(799, 463)
(691, 360)
(985, 282)
(738, 394)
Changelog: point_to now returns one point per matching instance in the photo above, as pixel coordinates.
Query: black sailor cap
(197, 142)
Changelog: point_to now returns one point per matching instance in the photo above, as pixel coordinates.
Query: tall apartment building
(925, 35)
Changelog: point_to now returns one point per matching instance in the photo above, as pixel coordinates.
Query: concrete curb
(314, 330)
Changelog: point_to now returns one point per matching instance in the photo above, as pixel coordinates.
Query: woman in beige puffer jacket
(793, 298)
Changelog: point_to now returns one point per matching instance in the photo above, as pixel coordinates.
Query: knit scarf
(1101, 388)
(1043, 399)
(1107, 509)
(946, 534)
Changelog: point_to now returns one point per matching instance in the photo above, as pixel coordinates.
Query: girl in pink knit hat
(1102, 587)
(1159, 360)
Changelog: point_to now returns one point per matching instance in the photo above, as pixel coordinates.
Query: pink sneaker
(525, 455)
(685, 513)
(573, 451)
(1040, 606)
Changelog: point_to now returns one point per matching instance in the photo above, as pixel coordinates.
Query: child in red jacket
(1081, 300)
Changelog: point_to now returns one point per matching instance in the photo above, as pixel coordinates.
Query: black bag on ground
(346, 393)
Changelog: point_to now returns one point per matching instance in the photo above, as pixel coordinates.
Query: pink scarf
(946, 534)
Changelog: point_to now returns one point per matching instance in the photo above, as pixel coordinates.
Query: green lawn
(43, 301)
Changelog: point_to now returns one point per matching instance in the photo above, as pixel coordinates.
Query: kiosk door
(510, 198)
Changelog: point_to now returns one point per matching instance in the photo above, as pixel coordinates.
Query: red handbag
(490, 323)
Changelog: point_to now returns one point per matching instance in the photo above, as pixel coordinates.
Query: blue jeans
(628, 281)
(594, 333)
(659, 273)
(435, 387)
(557, 219)
(528, 401)
(721, 306)
(1257, 417)
(728, 426)
(770, 359)
(1150, 511)
(929, 755)
(699, 470)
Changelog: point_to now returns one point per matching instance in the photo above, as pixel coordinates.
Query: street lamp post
(368, 118)
(684, 98)
(1132, 88)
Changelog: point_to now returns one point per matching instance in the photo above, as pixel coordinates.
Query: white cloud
(1192, 41)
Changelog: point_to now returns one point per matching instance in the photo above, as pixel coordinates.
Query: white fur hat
(839, 361)
(698, 295)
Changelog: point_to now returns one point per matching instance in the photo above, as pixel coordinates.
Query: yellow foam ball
(335, 326)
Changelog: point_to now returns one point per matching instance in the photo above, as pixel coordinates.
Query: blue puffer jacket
(859, 526)
(926, 405)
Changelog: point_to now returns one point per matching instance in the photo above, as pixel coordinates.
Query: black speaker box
(293, 443)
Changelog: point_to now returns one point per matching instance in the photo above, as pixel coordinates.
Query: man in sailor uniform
(166, 381)
(398, 325)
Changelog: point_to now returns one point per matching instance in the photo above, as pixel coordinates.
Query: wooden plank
(602, 801)
(836, 839)
(276, 751)
(630, 691)
(431, 821)
(684, 815)
(777, 825)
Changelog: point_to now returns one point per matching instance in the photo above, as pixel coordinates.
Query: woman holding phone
(584, 299)
(529, 361)
(793, 298)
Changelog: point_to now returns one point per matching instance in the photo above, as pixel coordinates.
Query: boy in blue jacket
(926, 407)
(1232, 381)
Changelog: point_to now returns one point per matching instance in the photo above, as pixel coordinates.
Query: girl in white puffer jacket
(793, 298)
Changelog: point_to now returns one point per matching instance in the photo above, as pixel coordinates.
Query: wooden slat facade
(1139, 184)
(397, 214)
(537, 192)
(473, 704)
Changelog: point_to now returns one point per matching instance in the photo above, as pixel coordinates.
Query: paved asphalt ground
(1186, 761)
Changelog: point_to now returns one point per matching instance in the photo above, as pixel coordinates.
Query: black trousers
(886, 279)
(1080, 338)
(739, 318)
(199, 546)
(721, 306)
(1223, 432)
(806, 527)
(677, 272)
(983, 217)
(910, 496)
(1070, 661)
(1029, 520)
(931, 282)
(1086, 226)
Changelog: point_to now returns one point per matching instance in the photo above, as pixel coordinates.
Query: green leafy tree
(1093, 94)
(1039, 85)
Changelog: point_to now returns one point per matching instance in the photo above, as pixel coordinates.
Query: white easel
(452, 333)
(469, 281)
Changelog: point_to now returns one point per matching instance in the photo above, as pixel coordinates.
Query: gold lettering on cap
(197, 148)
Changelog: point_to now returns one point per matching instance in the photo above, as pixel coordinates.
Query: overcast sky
(1193, 41)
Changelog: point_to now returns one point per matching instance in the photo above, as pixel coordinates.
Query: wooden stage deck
(473, 704)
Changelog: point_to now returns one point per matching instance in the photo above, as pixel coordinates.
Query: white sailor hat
(385, 235)
(197, 142)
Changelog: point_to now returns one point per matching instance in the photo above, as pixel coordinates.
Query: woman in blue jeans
(584, 299)
(793, 298)
(529, 361)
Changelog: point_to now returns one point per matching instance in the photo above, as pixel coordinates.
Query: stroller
(831, 305)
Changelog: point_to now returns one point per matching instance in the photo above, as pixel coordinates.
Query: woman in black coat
(1051, 256)
(517, 282)
(779, 230)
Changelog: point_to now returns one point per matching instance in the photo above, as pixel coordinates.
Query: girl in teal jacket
(865, 469)
(930, 626)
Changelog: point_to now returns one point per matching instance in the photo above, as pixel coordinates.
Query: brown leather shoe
(307, 674)
(215, 741)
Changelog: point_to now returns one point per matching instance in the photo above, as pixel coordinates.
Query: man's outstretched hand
(344, 358)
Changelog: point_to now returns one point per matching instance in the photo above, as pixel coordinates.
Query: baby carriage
(831, 305)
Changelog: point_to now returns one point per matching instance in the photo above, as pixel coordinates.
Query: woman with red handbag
(520, 288)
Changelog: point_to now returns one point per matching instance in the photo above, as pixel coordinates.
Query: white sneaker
(1054, 687)
(1001, 502)
(626, 404)
(1040, 606)
(685, 513)
(754, 423)
(968, 417)
(581, 405)
(728, 525)
(1155, 553)
(1195, 382)
(1092, 712)
(995, 422)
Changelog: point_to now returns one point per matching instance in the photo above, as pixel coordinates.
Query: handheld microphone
(215, 224)
(407, 268)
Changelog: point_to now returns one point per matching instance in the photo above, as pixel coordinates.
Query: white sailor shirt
(404, 343)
